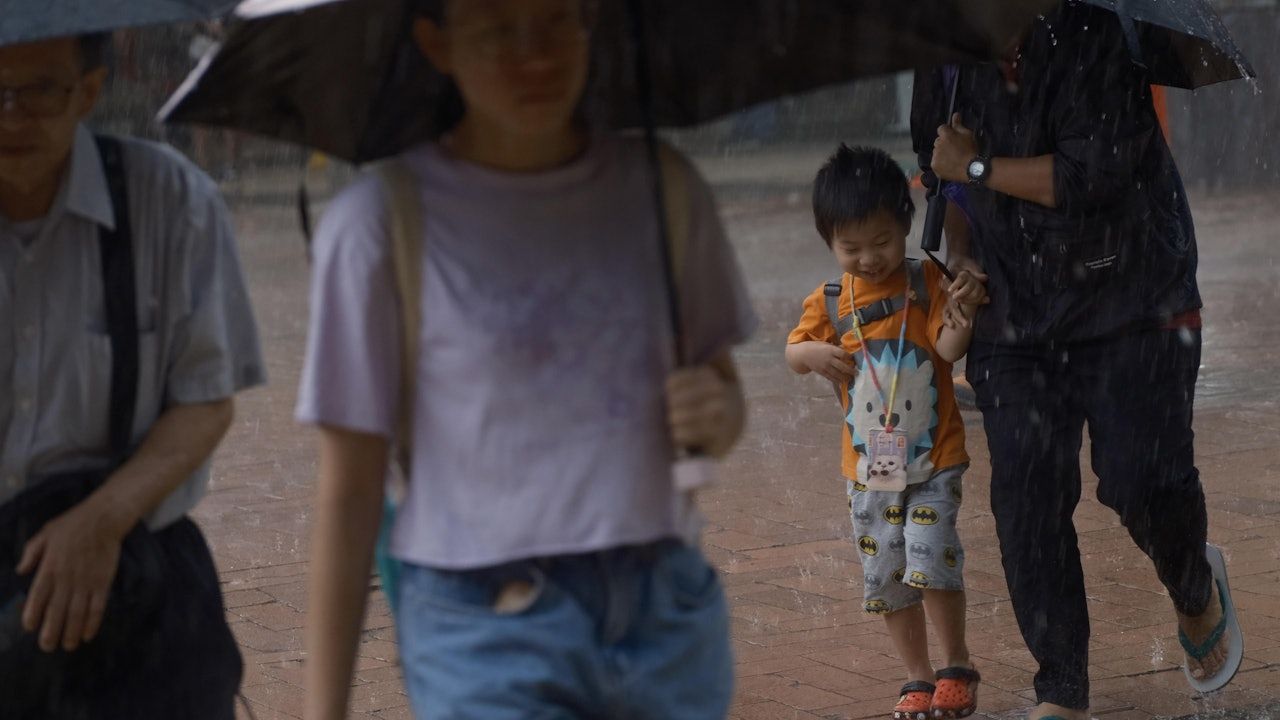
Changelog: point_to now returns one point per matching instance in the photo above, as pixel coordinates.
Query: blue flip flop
(1230, 627)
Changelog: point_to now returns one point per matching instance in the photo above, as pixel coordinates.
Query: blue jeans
(625, 634)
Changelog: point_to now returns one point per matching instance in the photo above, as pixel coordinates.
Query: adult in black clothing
(1077, 218)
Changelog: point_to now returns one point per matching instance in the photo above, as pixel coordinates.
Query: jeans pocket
(693, 582)
(505, 591)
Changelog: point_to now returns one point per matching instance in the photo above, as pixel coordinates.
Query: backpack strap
(880, 309)
(121, 301)
(831, 292)
(400, 187)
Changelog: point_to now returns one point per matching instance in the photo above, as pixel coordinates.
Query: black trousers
(1135, 393)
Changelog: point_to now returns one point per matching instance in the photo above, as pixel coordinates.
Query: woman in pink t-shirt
(542, 569)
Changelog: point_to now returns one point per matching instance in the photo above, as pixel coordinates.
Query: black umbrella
(1182, 43)
(27, 21)
(342, 77)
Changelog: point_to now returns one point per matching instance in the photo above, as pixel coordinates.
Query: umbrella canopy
(27, 21)
(1183, 43)
(341, 75)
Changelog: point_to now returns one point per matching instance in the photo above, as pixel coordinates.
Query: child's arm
(829, 361)
(705, 406)
(968, 294)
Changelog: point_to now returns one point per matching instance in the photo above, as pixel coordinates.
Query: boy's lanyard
(897, 362)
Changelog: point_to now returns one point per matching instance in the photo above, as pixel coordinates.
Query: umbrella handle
(936, 214)
(935, 218)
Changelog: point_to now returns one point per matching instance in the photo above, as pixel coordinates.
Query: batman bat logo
(894, 515)
(868, 545)
(918, 580)
(950, 557)
(924, 516)
(859, 486)
(877, 607)
(957, 493)
(899, 575)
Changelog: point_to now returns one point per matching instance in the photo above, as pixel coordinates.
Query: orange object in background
(1159, 98)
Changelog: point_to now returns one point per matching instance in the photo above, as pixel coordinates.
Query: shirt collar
(86, 192)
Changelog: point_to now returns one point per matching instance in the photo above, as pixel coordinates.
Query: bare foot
(1198, 629)
(1050, 710)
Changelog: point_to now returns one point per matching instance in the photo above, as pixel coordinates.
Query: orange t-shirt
(925, 403)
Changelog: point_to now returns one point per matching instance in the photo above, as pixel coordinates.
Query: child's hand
(829, 361)
(704, 410)
(954, 316)
(968, 288)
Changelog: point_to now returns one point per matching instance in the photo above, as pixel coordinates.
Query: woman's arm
(348, 509)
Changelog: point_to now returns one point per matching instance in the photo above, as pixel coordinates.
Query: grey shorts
(908, 541)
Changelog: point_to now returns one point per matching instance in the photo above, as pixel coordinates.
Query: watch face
(977, 169)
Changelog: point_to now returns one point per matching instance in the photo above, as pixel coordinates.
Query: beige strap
(404, 210)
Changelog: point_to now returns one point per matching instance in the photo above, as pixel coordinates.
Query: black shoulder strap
(121, 296)
(881, 309)
(917, 282)
(831, 292)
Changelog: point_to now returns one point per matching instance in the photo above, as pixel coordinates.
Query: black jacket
(1119, 251)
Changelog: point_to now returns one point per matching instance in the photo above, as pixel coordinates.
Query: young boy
(904, 449)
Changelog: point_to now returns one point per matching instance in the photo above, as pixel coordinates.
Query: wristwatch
(979, 170)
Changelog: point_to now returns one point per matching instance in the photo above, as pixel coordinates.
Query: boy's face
(520, 64)
(44, 94)
(873, 249)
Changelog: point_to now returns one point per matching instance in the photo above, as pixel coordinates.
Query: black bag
(164, 649)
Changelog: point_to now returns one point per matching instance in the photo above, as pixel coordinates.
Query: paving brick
(779, 529)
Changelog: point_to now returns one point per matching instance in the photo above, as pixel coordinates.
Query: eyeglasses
(509, 40)
(40, 100)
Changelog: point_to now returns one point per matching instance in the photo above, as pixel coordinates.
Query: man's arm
(1030, 179)
(75, 555)
(347, 513)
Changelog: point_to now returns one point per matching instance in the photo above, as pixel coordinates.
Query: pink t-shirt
(539, 424)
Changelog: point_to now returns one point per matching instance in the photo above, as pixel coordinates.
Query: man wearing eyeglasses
(125, 331)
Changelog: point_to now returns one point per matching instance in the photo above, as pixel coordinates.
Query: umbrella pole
(644, 89)
(936, 214)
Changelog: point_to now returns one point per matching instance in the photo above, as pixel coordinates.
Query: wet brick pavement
(779, 527)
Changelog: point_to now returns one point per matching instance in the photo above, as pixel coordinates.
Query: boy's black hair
(95, 49)
(854, 184)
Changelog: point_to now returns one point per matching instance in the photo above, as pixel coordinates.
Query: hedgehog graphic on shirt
(916, 404)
